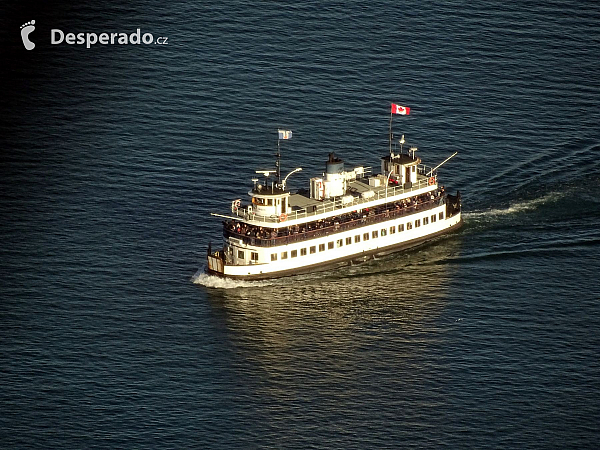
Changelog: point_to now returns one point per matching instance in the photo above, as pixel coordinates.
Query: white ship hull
(339, 254)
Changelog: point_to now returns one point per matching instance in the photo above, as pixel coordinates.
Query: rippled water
(113, 158)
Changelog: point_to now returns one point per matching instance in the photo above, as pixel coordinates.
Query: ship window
(340, 242)
(330, 245)
(254, 256)
(375, 234)
(348, 240)
(383, 232)
(258, 201)
(294, 253)
(417, 223)
(400, 228)
(425, 220)
(393, 229)
(357, 238)
(313, 249)
(302, 252)
(366, 237)
(322, 247)
(441, 215)
(240, 254)
(433, 218)
(270, 202)
(273, 256)
(409, 225)
(283, 255)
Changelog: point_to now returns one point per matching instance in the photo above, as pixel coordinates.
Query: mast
(397, 109)
(390, 132)
(281, 134)
(278, 164)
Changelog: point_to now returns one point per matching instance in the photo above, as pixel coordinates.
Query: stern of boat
(453, 204)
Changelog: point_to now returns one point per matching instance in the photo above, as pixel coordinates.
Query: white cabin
(401, 168)
(270, 201)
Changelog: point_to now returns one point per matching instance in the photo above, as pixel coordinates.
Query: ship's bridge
(401, 168)
(269, 201)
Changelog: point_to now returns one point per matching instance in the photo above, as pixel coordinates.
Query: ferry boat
(344, 216)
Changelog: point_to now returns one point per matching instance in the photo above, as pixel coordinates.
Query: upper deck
(360, 194)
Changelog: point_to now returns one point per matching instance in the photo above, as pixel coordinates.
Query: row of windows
(365, 237)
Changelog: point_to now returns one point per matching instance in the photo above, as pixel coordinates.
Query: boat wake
(549, 249)
(545, 166)
(212, 281)
(517, 207)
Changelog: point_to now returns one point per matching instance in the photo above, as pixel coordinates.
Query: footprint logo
(27, 28)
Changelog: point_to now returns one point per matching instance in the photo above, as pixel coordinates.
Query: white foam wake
(212, 281)
(517, 207)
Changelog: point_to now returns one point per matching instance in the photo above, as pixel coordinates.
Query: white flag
(285, 134)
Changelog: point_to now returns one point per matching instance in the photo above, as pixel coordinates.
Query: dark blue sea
(114, 156)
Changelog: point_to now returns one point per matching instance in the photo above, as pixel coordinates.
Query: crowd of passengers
(360, 215)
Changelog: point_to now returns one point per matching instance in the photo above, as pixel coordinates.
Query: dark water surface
(114, 156)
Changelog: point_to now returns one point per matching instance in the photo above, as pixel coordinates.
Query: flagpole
(278, 163)
(390, 131)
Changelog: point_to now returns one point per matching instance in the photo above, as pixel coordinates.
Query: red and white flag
(397, 109)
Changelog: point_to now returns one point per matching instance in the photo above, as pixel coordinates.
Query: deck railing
(334, 205)
(352, 224)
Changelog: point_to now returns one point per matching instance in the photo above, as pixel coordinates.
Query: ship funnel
(334, 165)
(335, 181)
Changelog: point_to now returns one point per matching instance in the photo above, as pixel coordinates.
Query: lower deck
(240, 260)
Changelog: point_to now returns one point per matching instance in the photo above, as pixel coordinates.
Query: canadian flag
(397, 109)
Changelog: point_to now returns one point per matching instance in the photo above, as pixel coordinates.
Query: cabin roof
(402, 158)
(268, 191)
(301, 201)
